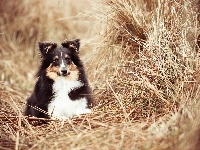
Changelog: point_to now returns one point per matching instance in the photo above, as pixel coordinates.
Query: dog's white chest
(61, 106)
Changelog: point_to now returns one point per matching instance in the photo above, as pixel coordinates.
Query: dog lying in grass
(62, 89)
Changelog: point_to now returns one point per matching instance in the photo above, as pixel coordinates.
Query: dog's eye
(67, 59)
(55, 60)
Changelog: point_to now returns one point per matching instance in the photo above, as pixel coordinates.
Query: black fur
(43, 90)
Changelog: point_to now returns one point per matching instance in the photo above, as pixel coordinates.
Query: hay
(144, 71)
(153, 68)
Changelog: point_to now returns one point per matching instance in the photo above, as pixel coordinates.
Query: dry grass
(142, 62)
(152, 62)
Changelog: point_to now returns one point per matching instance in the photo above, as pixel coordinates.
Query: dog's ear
(72, 44)
(45, 47)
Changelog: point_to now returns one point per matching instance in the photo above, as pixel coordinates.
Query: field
(142, 61)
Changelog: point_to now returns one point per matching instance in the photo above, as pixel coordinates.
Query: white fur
(62, 107)
(62, 63)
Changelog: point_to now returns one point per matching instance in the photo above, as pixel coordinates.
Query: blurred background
(24, 23)
(142, 61)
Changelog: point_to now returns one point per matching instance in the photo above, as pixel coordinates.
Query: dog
(62, 89)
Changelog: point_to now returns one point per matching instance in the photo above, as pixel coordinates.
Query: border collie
(62, 89)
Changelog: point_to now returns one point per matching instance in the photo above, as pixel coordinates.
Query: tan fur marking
(74, 73)
(72, 67)
(56, 57)
(66, 56)
(52, 72)
(73, 46)
(48, 48)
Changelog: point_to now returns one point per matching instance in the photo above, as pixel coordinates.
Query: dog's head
(61, 61)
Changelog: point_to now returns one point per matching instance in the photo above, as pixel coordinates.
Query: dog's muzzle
(64, 72)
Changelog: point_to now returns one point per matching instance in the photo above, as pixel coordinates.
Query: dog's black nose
(64, 71)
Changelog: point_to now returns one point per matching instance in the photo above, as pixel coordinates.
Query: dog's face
(60, 61)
